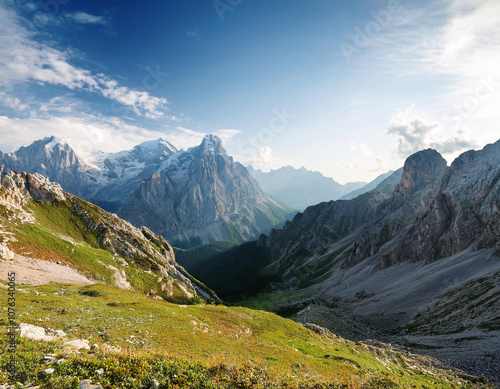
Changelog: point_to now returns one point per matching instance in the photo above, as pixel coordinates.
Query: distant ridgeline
(190, 197)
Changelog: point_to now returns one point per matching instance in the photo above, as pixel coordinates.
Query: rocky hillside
(203, 195)
(42, 221)
(383, 264)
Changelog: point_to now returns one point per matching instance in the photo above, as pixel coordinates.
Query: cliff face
(202, 195)
(462, 211)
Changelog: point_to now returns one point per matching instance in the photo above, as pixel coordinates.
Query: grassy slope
(59, 234)
(198, 346)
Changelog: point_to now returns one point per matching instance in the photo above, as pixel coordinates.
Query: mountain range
(192, 196)
(300, 188)
(415, 261)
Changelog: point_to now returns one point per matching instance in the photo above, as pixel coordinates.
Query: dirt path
(31, 271)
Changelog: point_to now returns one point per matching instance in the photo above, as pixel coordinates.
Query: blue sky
(348, 88)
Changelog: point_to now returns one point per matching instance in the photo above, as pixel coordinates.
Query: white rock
(5, 253)
(77, 344)
(34, 332)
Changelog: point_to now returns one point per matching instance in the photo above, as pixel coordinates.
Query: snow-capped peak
(53, 141)
(154, 145)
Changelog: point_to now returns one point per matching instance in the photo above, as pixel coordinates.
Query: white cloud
(85, 18)
(265, 161)
(456, 42)
(23, 59)
(379, 167)
(417, 134)
(12, 102)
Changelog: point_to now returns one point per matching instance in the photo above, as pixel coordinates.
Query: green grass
(42, 243)
(61, 233)
(196, 346)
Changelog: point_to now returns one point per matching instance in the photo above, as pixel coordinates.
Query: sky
(346, 88)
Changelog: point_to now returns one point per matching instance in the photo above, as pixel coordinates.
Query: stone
(87, 384)
(77, 344)
(5, 253)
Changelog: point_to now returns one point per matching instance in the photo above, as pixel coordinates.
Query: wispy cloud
(456, 40)
(416, 134)
(12, 102)
(85, 18)
(194, 34)
(24, 59)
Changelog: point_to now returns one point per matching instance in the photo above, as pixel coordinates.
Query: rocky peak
(420, 169)
(211, 144)
(153, 151)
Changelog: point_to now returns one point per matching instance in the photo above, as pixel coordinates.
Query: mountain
(416, 264)
(123, 172)
(39, 220)
(300, 188)
(194, 196)
(202, 195)
(54, 159)
(373, 184)
(107, 180)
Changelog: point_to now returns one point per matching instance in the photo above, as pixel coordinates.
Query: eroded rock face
(463, 211)
(420, 179)
(20, 188)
